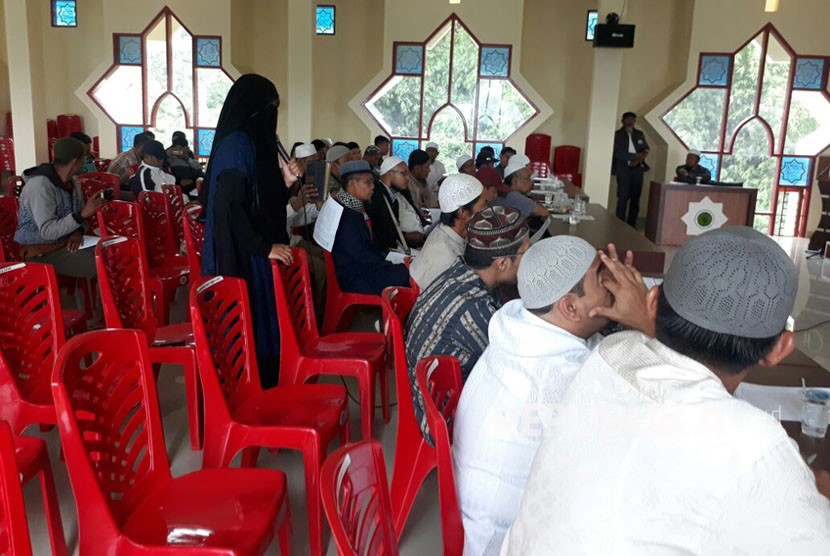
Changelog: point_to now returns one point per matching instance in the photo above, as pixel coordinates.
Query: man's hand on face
(630, 293)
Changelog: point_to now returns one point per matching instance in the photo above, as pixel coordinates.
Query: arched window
(164, 79)
(453, 90)
(760, 116)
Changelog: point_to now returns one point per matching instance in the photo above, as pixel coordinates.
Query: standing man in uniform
(629, 165)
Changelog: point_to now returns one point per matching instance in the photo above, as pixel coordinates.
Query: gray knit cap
(733, 281)
(551, 268)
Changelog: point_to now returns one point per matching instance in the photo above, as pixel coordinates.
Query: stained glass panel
(64, 13)
(795, 171)
(409, 59)
(714, 71)
(495, 61)
(204, 141)
(129, 49)
(127, 134)
(593, 18)
(404, 147)
(710, 161)
(808, 73)
(325, 20)
(208, 52)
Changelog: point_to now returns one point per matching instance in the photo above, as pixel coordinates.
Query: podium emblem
(702, 216)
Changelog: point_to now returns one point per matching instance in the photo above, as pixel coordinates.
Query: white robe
(522, 374)
(442, 248)
(650, 454)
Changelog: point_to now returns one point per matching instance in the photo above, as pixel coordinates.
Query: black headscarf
(252, 107)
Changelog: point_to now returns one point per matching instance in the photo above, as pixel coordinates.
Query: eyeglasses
(401, 172)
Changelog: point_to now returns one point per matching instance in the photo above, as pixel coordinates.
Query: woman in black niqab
(244, 198)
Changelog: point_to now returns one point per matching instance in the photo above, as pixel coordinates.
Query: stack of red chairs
(566, 163)
(128, 502)
(69, 124)
(537, 147)
(7, 155)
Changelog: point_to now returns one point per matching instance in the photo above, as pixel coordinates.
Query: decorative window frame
(54, 14)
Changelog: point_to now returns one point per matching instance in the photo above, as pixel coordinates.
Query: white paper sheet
(782, 402)
(587, 217)
(328, 220)
(396, 256)
(89, 241)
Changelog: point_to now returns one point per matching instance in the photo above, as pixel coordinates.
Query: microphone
(282, 152)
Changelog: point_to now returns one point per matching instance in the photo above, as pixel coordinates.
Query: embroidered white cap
(517, 162)
(458, 190)
(551, 268)
(389, 163)
(462, 160)
(305, 150)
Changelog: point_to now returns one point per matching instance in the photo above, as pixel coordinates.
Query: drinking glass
(815, 412)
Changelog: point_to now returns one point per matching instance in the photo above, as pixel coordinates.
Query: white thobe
(442, 248)
(650, 454)
(521, 376)
(300, 218)
(436, 174)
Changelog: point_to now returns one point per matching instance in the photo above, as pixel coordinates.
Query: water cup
(548, 197)
(815, 412)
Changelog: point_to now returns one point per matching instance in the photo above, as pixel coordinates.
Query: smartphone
(108, 194)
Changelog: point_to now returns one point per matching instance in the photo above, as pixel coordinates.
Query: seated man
(466, 165)
(649, 452)
(437, 171)
(504, 159)
(460, 199)
(183, 163)
(389, 202)
(517, 176)
(451, 316)
(151, 175)
(537, 344)
(484, 160)
(422, 196)
(692, 170)
(50, 225)
(372, 156)
(89, 161)
(359, 264)
(124, 163)
(337, 155)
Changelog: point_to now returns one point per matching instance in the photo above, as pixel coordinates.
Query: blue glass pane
(128, 133)
(710, 162)
(794, 171)
(204, 141)
(808, 73)
(714, 71)
(325, 20)
(64, 13)
(208, 53)
(495, 61)
(496, 147)
(593, 17)
(129, 50)
(404, 147)
(409, 59)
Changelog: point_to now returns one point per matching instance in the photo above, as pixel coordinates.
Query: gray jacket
(48, 213)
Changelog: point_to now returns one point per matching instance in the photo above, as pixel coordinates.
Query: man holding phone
(50, 226)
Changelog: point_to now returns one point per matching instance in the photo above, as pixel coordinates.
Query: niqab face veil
(252, 107)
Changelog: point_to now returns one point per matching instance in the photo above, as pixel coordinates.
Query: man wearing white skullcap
(692, 170)
(466, 165)
(650, 451)
(437, 170)
(537, 344)
(460, 198)
(391, 208)
(517, 176)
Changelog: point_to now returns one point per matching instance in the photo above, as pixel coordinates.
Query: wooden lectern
(670, 203)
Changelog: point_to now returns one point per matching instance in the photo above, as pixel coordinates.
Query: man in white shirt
(437, 170)
(460, 198)
(150, 175)
(537, 344)
(649, 452)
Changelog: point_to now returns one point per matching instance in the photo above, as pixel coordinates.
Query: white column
(300, 32)
(603, 117)
(26, 82)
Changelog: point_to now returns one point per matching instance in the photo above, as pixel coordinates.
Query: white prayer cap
(328, 141)
(551, 268)
(389, 163)
(462, 160)
(305, 150)
(458, 190)
(517, 162)
(694, 152)
(337, 151)
(431, 145)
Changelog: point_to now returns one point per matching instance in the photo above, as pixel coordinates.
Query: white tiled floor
(423, 531)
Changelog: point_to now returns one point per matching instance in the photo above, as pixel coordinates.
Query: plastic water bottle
(697, 180)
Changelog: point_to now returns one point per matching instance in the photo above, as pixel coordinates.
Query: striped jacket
(450, 317)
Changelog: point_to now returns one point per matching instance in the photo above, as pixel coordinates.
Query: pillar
(26, 82)
(603, 117)
(301, 28)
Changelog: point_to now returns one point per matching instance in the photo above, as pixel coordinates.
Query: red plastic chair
(304, 354)
(194, 237)
(122, 274)
(14, 527)
(122, 218)
(9, 208)
(537, 147)
(112, 180)
(439, 379)
(356, 500)
(7, 163)
(175, 208)
(102, 164)
(414, 457)
(127, 501)
(89, 188)
(14, 186)
(566, 159)
(340, 303)
(239, 415)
